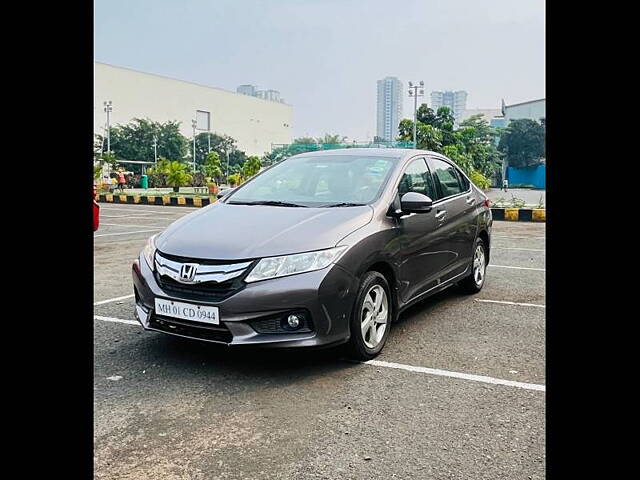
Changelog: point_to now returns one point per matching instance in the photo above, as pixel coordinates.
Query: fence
(527, 176)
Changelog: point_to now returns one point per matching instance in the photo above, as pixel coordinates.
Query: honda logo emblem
(188, 272)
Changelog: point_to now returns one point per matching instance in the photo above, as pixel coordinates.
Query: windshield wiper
(342, 204)
(274, 203)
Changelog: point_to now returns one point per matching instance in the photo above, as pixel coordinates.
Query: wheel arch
(386, 270)
(484, 235)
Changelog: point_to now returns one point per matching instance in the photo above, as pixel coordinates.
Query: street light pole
(193, 124)
(415, 91)
(108, 108)
(155, 150)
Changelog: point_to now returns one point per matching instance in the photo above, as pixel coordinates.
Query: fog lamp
(293, 321)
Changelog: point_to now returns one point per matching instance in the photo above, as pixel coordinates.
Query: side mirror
(414, 202)
(225, 192)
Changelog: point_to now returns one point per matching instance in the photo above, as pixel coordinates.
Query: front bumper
(327, 296)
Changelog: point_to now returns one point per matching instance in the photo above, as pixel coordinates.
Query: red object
(96, 215)
(487, 202)
(121, 178)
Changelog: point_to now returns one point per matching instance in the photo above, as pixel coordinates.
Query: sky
(325, 56)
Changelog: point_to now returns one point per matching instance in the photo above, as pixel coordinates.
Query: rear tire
(475, 281)
(371, 317)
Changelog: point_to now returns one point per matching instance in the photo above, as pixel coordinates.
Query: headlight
(149, 251)
(291, 264)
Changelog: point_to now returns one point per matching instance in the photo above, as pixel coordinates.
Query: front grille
(220, 278)
(214, 333)
(210, 291)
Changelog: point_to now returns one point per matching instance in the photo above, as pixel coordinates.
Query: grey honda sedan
(321, 249)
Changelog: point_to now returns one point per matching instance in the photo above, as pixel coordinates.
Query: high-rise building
(389, 108)
(456, 101)
(247, 90)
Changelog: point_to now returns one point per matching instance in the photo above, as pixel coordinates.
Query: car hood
(225, 232)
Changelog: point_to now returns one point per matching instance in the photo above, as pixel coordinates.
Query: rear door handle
(470, 201)
(441, 215)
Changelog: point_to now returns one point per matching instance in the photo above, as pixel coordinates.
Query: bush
(479, 180)
(157, 180)
(177, 174)
(235, 179)
(198, 180)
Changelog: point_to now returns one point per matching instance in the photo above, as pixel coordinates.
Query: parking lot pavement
(457, 393)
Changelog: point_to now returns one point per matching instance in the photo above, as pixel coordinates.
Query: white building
(254, 123)
(456, 101)
(389, 108)
(533, 110)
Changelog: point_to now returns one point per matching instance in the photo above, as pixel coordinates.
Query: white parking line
(116, 320)
(463, 376)
(126, 216)
(507, 236)
(130, 225)
(102, 302)
(127, 233)
(511, 303)
(514, 248)
(159, 212)
(400, 366)
(517, 268)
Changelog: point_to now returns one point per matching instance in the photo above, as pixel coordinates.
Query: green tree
(522, 143)
(427, 136)
(471, 147)
(212, 166)
(219, 143)
(251, 167)
(275, 156)
(134, 141)
(328, 138)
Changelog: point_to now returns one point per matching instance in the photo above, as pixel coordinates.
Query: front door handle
(470, 201)
(441, 215)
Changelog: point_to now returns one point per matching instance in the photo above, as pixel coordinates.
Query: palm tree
(177, 175)
(328, 138)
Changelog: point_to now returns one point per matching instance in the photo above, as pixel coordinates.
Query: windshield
(318, 181)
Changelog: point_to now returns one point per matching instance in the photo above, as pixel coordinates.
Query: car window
(319, 180)
(464, 182)
(447, 178)
(416, 178)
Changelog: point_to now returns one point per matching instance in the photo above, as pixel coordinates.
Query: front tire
(371, 317)
(475, 281)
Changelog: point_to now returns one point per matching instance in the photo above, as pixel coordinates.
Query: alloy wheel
(374, 316)
(479, 266)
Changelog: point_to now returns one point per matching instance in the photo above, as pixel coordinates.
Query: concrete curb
(520, 214)
(166, 200)
(508, 214)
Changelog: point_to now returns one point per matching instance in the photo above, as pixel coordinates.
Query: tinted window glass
(447, 178)
(416, 178)
(463, 181)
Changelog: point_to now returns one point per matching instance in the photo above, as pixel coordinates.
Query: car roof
(370, 152)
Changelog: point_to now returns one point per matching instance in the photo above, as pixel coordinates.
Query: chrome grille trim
(204, 273)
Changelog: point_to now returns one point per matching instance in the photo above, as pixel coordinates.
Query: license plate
(187, 311)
